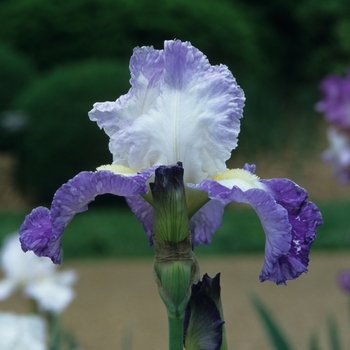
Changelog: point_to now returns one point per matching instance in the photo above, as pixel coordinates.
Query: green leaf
(277, 337)
(333, 334)
(313, 344)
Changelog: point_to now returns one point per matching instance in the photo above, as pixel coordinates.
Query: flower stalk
(175, 325)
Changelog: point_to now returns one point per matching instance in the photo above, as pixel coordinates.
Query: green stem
(224, 345)
(175, 332)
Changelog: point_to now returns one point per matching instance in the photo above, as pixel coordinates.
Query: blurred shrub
(60, 140)
(325, 26)
(52, 31)
(15, 73)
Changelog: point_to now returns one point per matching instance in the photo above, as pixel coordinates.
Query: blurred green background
(59, 57)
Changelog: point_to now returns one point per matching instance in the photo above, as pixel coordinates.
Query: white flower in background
(22, 332)
(37, 277)
(338, 153)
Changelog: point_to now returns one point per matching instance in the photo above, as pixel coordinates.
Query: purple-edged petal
(42, 229)
(144, 213)
(274, 218)
(289, 222)
(178, 94)
(206, 221)
(304, 217)
(36, 232)
(146, 68)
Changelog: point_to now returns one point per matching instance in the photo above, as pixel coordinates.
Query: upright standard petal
(189, 111)
(42, 229)
(289, 221)
(146, 68)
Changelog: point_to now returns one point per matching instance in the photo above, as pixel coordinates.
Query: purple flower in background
(344, 280)
(336, 108)
(182, 109)
(336, 100)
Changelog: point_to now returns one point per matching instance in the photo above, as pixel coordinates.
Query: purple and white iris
(336, 108)
(181, 108)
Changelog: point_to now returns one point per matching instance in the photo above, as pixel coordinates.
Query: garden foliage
(60, 139)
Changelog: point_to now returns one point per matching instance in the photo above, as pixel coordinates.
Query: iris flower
(181, 109)
(335, 103)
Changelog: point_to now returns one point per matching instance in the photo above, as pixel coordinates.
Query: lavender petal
(43, 228)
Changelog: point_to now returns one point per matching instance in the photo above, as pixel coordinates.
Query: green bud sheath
(170, 221)
(175, 266)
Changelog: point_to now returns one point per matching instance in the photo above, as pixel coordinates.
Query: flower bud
(175, 266)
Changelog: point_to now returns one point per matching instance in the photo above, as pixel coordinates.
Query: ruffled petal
(189, 98)
(146, 67)
(42, 229)
(289, 222)
(304, 217)
(36, 232)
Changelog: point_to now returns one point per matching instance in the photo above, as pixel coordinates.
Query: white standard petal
(146, 66)
(193, 119)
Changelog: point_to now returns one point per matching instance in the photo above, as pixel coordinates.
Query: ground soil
(117, 305)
